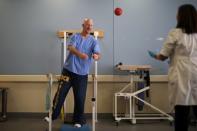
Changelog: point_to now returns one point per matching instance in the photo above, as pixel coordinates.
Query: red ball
(118, 11)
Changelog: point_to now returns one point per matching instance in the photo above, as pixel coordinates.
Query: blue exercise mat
(72, 128)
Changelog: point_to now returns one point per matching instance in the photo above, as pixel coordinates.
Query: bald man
(83, 48)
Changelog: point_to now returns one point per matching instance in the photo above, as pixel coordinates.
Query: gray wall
(28, 42)
(141, 28)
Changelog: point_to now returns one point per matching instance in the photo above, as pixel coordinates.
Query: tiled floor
(36, 124)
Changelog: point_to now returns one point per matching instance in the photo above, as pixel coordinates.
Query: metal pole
(95, 91)
(4, 103)
(95, 80)
(51, 102)
(93, 114)
(64, 48)
(94, 99)
(64, 52)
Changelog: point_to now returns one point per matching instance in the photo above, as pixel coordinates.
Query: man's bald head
(87, 20)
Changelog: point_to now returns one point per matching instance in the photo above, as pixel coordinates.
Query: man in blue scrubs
(83, 48)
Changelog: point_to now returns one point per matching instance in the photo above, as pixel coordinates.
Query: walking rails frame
(133, 96)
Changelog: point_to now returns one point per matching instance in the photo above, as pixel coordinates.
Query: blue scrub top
(88, 46)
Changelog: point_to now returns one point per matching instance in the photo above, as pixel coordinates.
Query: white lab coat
(181, 48)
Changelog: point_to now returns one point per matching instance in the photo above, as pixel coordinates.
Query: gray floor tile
(35, 124)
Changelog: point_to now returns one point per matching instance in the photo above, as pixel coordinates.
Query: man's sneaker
(2, 119)
(77, 125)
(47, 119)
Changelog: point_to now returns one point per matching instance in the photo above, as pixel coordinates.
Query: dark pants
(79, 85)
(182, 117)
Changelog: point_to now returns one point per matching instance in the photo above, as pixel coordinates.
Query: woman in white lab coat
(180, 47)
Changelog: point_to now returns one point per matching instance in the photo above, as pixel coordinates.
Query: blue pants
(79, 85)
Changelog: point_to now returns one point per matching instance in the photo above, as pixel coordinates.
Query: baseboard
(100, 78)
(42, 115)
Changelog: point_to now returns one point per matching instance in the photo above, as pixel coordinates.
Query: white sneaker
(46, 119)
(77, 125)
